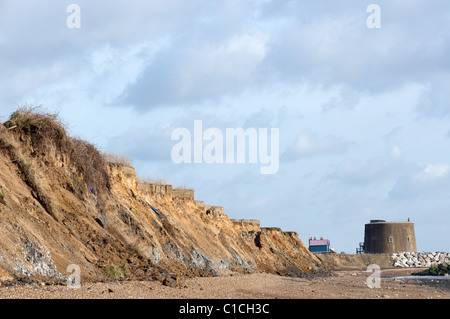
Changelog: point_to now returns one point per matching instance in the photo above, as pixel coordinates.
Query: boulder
(4, 276)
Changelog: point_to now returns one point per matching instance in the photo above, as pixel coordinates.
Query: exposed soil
(63, 204)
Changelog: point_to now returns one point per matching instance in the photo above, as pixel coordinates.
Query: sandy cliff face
(53, 214)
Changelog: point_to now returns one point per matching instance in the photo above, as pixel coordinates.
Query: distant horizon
(356, 91)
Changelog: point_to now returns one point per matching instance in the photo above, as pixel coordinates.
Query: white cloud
(383, 168)
(425, 182)
(187, 73)
(433, 172)
(396, 152)
(434, 99)
(309, 144)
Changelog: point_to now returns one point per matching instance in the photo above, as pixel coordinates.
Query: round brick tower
(389, 237)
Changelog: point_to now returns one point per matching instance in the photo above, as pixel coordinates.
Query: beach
(341, 284)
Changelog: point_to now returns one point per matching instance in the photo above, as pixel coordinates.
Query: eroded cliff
(62, 204)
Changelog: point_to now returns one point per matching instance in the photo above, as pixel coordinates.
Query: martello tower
(389, 237)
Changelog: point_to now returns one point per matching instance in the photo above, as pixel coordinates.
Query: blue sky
(363, 113)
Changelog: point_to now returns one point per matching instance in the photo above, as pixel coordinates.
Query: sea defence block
(272, 230)
(126, 175)
(247, 224)
(181, 193)
(214, 210)
(156, 189)
(200, 204)
(291, 233)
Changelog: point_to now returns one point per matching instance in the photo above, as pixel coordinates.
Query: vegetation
(115, 271)
(90, 163)
(117, 159)
(136, 248)
(185, 187)
(153, 181)
(45, 128)
(2, 196)
(29, 176)
(47, 135)
(440, 270)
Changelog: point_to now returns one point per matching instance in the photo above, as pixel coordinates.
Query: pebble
(342, 286)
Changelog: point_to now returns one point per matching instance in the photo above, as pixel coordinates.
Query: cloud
(424, 182)
(392, 134)
(188, 73)
(384, 168)
(224, 48)
(434, 100)
(321, 45)
(328, 44)
(348, 98)
(396, 152)
(308, 144)
(136, 71)
(39, 51)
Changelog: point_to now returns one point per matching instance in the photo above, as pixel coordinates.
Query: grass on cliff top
(117, 159)
(11, 147)
(184, 187)
(152, 181)
(47, 134)
(43, 126)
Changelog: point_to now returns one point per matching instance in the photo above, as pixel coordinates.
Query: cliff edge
(62, 204)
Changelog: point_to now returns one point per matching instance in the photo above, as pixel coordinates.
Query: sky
(360, 97)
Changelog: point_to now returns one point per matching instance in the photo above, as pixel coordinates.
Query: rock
(109, 290)
(420, 259)
(170, 282)
(4, 276)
